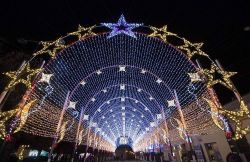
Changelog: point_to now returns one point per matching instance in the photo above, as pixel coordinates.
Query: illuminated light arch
(82, 60)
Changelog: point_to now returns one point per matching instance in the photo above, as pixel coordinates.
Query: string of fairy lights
(130, 73)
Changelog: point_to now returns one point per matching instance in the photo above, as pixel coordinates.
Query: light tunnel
(122, 83)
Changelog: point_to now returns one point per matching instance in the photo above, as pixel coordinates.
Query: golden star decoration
(62, 131)
(225, 80)
(83, 32)
(214, 113)
(16, 76)
(161, 33)
(236, 117)
(23, 113)
(5, 116)
(51, 48)
(192, 48)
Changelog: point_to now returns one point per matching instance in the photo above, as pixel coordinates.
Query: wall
(219, 138)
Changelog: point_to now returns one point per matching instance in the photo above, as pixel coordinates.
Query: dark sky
(221, 25)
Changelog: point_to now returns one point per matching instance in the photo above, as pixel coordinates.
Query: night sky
(223, 26)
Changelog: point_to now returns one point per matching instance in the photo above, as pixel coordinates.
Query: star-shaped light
(45, 78)
(192, 48)
(194, 77)
(151, 98)
(99, 110)
(98, 72)
(72, 104)
(225, 80)
(17, 76)
(161, 33)
(158, 116)
(85, 117)
(142, 116)
(136, 101)
(83, 32)
(158, 81)
(123, 107)
(104, 90)
(152, 124)
(122, 87)
(83, 83)
(143, 71)
(139, 90)
(108, 102)
(93, 99)
(122, 68)
(51, 48)
(171, 103)
(121, 27)
(122, 99)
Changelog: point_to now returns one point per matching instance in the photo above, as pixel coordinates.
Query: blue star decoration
(121, 27)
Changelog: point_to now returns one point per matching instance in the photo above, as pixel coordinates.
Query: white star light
(111, 110)
(158, 116)
(103, 117)
(143, 71)
(123, 107)
(123, 114)
(99, 110)
(98, 72)
(72, 105)
(151, 98)
(122, 99)
(108, 102)
(86, 117)
(93, 99)
(159, 81)
(122, 87)
(46, 78)
(83, 83)
(146, 108)
(134, 109)
(152, 124)
(136, 101)
(194, 77)
(122, 68)
(142, 116)
(139, 90)
(104, 90)
(171, 103)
